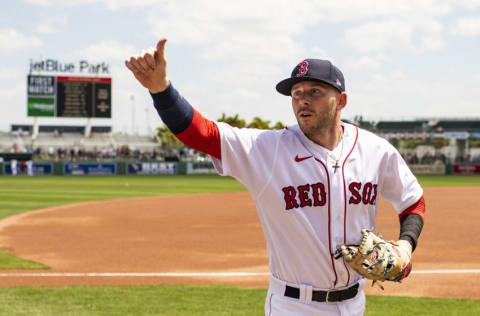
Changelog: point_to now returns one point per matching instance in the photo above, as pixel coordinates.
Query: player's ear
(343, 100)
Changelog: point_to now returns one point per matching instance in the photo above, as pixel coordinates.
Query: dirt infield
(209, 233)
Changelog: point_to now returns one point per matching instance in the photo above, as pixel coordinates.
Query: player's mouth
(304, 115)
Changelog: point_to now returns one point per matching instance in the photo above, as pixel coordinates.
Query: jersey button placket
(337, 212)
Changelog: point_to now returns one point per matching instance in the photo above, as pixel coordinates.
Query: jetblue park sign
(55, 66)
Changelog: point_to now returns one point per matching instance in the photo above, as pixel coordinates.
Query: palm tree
(168, 139)
(279, 125)
(234, 121)
(257, 122)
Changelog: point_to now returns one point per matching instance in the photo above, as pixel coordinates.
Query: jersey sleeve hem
(416, 208)
(202, 135)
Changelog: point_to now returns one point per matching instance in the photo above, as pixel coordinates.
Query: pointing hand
(150, 68)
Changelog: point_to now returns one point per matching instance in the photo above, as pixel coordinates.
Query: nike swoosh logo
(299, 159)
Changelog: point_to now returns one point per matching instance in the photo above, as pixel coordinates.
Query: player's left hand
(377, 259)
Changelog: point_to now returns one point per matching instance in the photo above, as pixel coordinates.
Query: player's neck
(328, 138)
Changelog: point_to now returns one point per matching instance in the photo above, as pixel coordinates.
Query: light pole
(132, 98)
(147, 118)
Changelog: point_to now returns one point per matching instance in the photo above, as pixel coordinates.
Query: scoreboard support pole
(88, 127)
(35, 127)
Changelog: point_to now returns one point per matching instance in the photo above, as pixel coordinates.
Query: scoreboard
(62, 96)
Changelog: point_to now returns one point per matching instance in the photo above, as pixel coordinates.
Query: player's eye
(315, 92)
(297, 94)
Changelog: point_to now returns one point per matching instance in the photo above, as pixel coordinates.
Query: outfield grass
(20, 194)
(450, 180)
(192, 301)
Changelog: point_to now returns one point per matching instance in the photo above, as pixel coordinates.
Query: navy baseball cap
(313, 70)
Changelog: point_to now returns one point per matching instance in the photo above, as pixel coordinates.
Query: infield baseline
(192, 274)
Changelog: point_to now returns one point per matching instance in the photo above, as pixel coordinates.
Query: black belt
(325, 296)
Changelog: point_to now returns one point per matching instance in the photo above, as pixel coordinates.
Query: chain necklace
(336, 166)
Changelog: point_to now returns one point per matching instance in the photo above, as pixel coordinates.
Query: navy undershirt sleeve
(410, 228)
(173, 109)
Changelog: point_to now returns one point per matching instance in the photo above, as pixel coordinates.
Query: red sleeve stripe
(417, 208)
(202, 135)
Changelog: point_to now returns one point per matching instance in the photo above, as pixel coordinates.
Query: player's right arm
(189, 126)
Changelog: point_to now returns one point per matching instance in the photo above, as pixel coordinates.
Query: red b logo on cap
(302, 68)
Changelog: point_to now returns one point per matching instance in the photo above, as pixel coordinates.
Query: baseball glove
(377, 259)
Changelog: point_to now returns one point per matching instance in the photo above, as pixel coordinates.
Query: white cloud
(108, 50)
(468, 26)
(353, 10)
(5, 72)
(399, 95)
(320, 52)
(39, 2)
(12, 74)
(51, 24)
(57, 3)
(371, 63)
(110, 4)
(414, 35)
(120, 4)
(469, 4)
(12, 41)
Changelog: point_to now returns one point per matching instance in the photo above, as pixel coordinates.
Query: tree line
(168, 139)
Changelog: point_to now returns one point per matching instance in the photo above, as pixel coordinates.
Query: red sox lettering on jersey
(315, 195)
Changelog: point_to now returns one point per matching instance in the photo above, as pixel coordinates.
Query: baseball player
(315, 184)
(14, 166)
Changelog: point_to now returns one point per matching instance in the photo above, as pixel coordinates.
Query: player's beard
(324, 122)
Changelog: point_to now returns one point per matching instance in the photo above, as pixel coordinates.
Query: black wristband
(411, 226)
(173, 109)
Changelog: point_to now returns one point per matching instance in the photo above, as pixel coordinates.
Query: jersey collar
(322, 152)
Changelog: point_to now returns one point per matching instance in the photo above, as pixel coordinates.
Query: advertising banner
(428, 169)
(41, 106)
(42, 168)
(41, 96)
(202, 167)
(79, 168)
(38, 168)
(152, 168)
(466, 169)
(456, 135)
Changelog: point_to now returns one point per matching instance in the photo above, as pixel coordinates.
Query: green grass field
(21, 194)
(184, 300)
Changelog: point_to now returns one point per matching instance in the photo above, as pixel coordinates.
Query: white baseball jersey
(307, 209)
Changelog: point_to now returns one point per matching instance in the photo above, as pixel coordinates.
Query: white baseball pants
(277, 304)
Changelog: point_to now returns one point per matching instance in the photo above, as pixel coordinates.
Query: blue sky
(401, 59)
